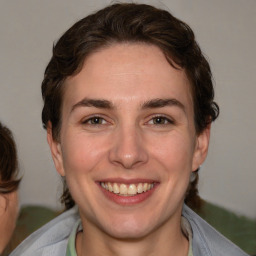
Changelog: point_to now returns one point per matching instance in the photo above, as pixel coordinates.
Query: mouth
(127, 190)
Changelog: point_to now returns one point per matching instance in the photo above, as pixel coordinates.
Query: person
(8, 186)
(128, 106)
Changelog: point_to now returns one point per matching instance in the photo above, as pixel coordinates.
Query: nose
(128, 148)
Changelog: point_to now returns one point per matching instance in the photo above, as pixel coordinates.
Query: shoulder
(206, 240)
(51, 239)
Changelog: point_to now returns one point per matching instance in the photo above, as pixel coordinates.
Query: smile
(127, 189)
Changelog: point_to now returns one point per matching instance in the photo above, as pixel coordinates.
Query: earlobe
(201, 148)
(55, 151)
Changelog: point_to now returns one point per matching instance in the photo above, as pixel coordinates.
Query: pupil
(96, 120)
(159, 120)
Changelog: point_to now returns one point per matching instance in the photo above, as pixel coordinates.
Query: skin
(127, 141)
(8, 217)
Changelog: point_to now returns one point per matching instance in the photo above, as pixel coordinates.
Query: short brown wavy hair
(8, 162)
(132, 23)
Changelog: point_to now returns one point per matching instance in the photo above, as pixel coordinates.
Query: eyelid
(168, 118)
(90, 117)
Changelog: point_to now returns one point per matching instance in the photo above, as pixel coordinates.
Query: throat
(89, 246)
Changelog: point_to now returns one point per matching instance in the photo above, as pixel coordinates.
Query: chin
(132, 234)
(129, 229)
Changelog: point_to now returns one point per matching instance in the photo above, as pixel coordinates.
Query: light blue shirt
(71, 248)
(52, 239)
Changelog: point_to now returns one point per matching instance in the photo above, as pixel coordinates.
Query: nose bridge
(128, 149)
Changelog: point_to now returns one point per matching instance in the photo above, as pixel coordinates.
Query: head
(132, 24)
(8, 185)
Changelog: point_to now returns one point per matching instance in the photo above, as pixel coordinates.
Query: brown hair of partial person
(192, 198)
(8, 162)
(128, 23)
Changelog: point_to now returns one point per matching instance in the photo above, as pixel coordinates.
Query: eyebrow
(151, 104)
(97, 103)
(160, 103)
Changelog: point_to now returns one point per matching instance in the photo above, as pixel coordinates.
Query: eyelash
(167, 121)
(98, 120)
(94, 118)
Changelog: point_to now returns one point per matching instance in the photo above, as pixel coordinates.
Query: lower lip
(128, 200)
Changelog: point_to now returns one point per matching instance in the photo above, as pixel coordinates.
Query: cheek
(2, 204)
(8, 216)
(13, 207)
(175, 157)
(175, 152)
(9, 206)
(81, 154)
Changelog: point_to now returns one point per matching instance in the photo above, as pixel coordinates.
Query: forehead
(130, 71)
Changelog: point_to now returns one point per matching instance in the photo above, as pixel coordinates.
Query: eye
(95, 120)
(160, 120)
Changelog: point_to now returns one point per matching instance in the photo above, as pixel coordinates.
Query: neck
(168, 240)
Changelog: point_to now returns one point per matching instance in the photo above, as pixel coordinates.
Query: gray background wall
(226, 32)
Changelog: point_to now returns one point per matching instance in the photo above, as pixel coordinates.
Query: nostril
(128, 156)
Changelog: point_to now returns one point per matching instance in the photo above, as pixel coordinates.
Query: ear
(201, 148)
(56, 152)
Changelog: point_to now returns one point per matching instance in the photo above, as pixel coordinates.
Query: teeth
(116, 188)
(123, 189)
(140, 188)
(110, 188)
(127, 190)
(132, 190)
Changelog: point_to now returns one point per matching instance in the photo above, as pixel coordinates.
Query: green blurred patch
(239, 229)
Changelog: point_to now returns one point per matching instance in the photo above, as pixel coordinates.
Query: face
(8, 216)
(128, 143)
